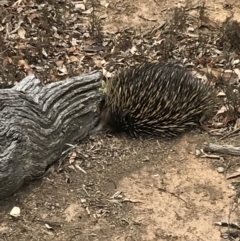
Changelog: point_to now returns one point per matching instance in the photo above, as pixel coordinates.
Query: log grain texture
(37, 122)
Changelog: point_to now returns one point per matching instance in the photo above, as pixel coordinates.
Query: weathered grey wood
(37, 121)
(223, 149)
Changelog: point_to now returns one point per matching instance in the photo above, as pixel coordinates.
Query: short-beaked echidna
(154, 99)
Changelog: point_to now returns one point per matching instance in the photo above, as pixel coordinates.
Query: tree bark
(38, 121)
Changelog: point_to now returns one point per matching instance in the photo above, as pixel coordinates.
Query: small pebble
(198, 153)
(220, 169)
(15, 212)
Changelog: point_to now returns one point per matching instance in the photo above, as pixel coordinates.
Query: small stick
(230, 133)
(173, 194)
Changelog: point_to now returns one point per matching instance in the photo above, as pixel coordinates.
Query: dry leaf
(106, 73)
(236, 61)
(25, 66)
(72, 157)
(80, 6)
(44, 52)
(33, 15)
(224, 115)
(74, 42)
(208, 22)
(237, 124)
(62, 70)
(1, 28)
(230, 76)
(7, 60)
(20, 46)
(17, 3)
(89, 11)
(90, 41)
(133, 50)
(21, 33)
(3, 2)
(71, 49)
(59, 63)
(97, 62)
(237, 71)
(220, 112)
(209, 70)
(73, 58)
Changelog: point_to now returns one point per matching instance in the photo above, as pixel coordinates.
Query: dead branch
(223, 149)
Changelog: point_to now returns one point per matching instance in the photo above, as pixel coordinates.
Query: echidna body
(154, 99)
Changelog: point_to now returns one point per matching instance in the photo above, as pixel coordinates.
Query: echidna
(154, 99)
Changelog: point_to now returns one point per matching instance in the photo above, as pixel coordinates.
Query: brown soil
(132, 190)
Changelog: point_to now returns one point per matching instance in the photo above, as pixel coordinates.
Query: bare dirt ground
(132, 190)
(129, 189)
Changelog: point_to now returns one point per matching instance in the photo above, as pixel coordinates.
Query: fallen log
(38, 121)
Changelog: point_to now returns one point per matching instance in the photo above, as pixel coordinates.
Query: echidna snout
(154, 99)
